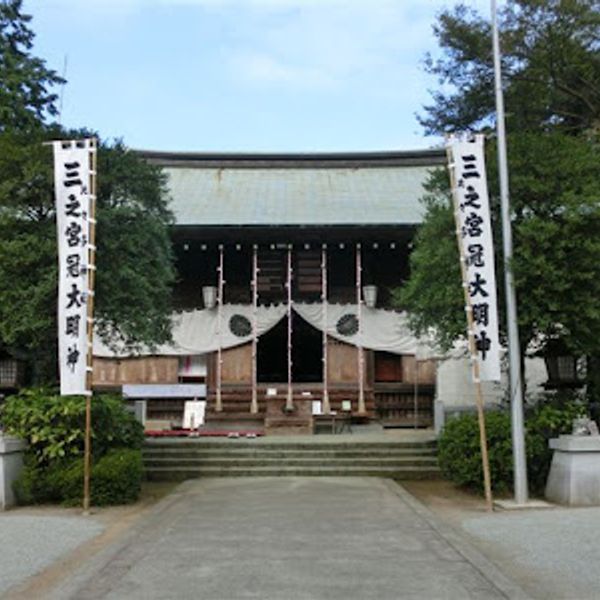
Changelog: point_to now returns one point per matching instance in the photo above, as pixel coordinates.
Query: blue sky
(243, 75)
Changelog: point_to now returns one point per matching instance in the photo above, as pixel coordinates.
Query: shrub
(115, 479)
(460, 453)
(38, 485)
(546, 421)
(54, 426)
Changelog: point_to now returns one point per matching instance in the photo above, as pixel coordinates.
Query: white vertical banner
(72, 170)
(471, 205)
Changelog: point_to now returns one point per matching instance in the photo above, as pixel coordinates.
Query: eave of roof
(317, 160)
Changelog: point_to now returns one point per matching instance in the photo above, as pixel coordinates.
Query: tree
(134, 257)
(551, 67)
(555, 182)
(25, 81)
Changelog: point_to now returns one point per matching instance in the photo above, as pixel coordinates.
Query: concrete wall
(455, 392)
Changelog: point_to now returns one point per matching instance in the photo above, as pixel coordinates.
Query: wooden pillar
(220, 286)
(326, 405)
(254, 402)
(289, 403)
(359, 349)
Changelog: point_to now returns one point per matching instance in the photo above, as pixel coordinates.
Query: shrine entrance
(307, 353)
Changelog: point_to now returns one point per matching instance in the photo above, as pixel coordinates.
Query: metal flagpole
(487, 485)
(514, 351)
(326, 405)
(361, 366)
(289, 403)
(221, 283)
(254, 404)
(91, 271)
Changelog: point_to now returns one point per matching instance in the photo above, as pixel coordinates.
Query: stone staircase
(181, 459)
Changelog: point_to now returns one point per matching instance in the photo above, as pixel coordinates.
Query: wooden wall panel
(237, 364)
(151, 369)
(342, 363)
(426, 370)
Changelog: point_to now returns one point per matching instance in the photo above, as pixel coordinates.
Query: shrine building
(288, 265)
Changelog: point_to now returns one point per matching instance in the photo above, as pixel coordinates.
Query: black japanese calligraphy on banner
(471, 204)
(71, 182)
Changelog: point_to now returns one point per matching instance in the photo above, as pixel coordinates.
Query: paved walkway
(287, 539)
(31, 543)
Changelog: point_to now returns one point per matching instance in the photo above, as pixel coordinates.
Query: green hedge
(54, 426)
(115, 479)
(460, 455)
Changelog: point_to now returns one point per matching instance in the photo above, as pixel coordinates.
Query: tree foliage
(134, 256)
(550, 63)
(555, 182)
(551, 67)
(26, 95)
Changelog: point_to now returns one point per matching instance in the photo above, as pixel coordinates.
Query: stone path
(287, 539)
(30, 543)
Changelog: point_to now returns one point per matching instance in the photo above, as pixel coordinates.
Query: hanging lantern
(370, 295)
(209, 296)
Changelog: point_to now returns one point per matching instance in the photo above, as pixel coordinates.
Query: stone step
(284, 454)
(400, 473)
(353, 444)
(151, 462)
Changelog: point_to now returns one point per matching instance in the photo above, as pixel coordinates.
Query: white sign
(72, 191)
(193, 414)
(471, 205)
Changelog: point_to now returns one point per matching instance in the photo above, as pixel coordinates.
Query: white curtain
(197, 332)
(384, 330)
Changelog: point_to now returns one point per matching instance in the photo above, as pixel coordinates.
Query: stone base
(529, 505)
(11, 463)
(574, 477)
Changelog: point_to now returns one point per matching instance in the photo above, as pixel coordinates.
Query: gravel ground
(556, 551)
(29, 544)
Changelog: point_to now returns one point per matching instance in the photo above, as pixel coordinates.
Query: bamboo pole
(289, 403)
(472, 347)
(254, 403)
(416, 397)
(91, 279)
(220, 285)
(359, 349)
(326, 404)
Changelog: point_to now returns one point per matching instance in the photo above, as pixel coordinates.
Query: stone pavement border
(486, 567)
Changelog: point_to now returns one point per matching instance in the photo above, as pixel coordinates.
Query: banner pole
(487, 486)
(90, 325)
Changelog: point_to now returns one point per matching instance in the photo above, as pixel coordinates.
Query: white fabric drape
(384, 330)
(195, 332)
